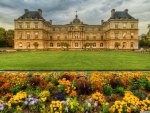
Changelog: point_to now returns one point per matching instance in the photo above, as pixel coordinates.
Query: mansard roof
(121, 15)
(32, 15)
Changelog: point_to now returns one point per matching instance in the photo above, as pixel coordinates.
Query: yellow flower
(44, 99)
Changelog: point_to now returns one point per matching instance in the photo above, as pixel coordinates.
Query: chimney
(26, 10)
(40, 11)
(50, 21)
(126, 10)
(102, 21)
(112, 12)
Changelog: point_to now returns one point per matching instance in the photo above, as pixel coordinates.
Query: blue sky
(63, 11)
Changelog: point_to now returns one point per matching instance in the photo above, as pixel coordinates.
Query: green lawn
(74, 60)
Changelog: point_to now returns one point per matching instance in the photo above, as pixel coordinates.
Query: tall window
(132, 26)
(116, 26)
(65, 37)
(124, 35)
(36, 35)
(124, 25)
(20, 25)
(94, 37)
(28, 25)
(124, 45)
(51, 37)
(132, 44)
(132, 35)
(87, 37)
(58, 37)
(28, 35)
(101, 37)
(51, 44)
(101, 44)
(76, 44)
(94, 44)
(36, 25)
(116, 35)
(20, 35)
(28, 44)
(58, 44)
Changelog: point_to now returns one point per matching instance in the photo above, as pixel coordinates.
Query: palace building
(32, 31)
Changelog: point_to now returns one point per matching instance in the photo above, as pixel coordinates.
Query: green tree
(10, 38)
(2, 37)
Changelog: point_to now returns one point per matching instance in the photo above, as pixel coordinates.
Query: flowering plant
(98, 97)
(44, 95)
(56, 107)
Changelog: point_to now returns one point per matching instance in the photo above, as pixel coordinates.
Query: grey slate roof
(31, 15)
(121, 15)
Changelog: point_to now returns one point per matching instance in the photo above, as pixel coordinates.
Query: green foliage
(9, 38)
(143, 82)
(144, 43)
(15, 89)
(139, 94)
(105, 108)
(6, 38)
(108, 90)
(120, 90)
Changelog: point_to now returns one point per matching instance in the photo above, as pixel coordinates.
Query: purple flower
(25, 102)
(31, 103)
(1, 107)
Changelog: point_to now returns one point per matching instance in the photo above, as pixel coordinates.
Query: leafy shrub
(139, 94)
(120, 90)
(59, 96)
(108, 90)
(34, 81)
(105, 108)
(83, 86)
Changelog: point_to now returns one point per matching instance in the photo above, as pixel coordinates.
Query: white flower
(66, 109)
(1, 107)
(89, 104)
(67, 99)
(95, 104)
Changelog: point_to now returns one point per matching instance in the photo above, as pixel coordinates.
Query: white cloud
(62, 11)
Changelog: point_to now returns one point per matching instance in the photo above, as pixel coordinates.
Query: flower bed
(74, 92)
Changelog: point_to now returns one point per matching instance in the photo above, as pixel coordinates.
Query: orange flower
(73, 93)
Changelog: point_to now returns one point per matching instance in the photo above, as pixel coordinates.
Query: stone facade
(32, 31)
